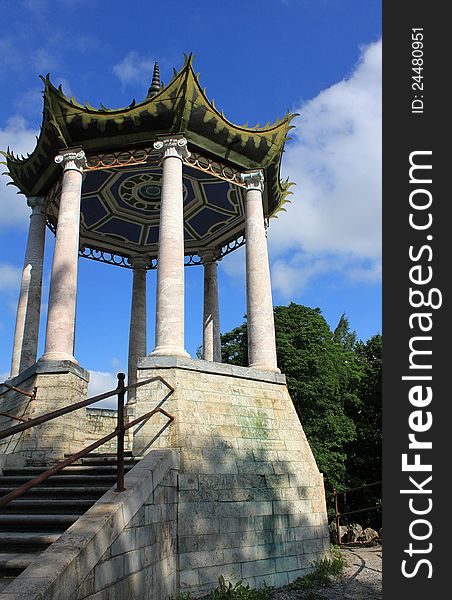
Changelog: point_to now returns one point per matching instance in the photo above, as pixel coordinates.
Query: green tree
(342, 334)
(364, 461)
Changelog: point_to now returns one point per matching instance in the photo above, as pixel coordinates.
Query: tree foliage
(334, 382)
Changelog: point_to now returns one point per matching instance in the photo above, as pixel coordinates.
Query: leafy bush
(238, 591)
(227, 591)
(322, 575)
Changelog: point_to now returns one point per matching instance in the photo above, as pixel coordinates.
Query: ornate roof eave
(186, 109)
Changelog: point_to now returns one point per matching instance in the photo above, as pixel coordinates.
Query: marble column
(211, 342)
(137, 336)
(260, 321)
(169, 328)
(60, 332)
(29, 306)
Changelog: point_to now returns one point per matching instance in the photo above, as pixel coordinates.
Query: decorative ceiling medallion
(142, 191)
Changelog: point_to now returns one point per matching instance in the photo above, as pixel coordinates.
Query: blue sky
(321, 58)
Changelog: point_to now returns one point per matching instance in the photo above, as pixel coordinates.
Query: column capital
(172, 146)
(139, 262)
(72, 159)
(254, 180)
(209, 255)
(37, 204)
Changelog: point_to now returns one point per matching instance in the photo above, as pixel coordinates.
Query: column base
(169, 351)
(58, 356)
(265, 367)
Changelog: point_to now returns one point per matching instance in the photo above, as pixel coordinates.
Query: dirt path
(362, 576)
(361, 579)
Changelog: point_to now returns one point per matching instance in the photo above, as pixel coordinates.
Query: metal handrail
(119, 432)
(68, 409)
(16, 389)
(339, 514)
(13, 417)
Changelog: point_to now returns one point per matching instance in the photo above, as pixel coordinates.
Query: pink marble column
(169, 328)
(260, 321)
(137, 336)
(29, 306)
(63, 286)
(211, 342)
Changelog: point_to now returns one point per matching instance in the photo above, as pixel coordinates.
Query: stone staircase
(31, 523)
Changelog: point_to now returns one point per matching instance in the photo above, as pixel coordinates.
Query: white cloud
(21, 139)
(44, 60)
(100, 382)
(333, 223)
(29, 102)
(9, 277)
(134, 68)
(65, 85)
(234, 265)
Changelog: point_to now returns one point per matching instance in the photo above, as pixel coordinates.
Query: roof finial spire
(155, 85)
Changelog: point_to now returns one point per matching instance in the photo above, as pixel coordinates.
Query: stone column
(261, 328)
(63, 286)
(169, 328)
(137, 336)
(29, 306)
(211, 342)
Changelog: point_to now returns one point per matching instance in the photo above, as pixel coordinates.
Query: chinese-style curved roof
(181, 106)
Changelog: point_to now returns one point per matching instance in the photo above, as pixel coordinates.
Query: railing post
(338, 524)
(120, 435)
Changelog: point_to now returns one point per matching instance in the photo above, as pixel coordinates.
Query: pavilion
(231, 487)
(163, 183)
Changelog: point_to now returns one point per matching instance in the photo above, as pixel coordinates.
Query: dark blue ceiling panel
(93, 210)
(205, 219)
(94, 180)
(121, 228)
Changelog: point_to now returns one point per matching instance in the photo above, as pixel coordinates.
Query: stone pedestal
(58, 384)
(251, 501)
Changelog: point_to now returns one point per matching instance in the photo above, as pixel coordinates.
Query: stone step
(36, 522)
(49, 506)
(13, 563)
(106, 460)
(25, 542)
(31, 472)
(64, 480)
(56, 492)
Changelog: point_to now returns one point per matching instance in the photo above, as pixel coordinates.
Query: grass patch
(323, 574)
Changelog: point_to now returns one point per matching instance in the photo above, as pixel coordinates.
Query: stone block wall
(100, 422)
(58, 384)
(142, 561)
(251, 502)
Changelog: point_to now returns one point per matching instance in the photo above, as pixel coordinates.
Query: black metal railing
(339, 514)
(119, 433)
